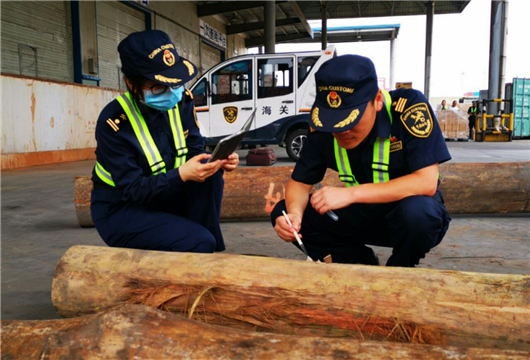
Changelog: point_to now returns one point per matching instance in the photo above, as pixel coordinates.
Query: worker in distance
(386, 147)
(152, 187)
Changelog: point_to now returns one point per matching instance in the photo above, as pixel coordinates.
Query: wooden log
(468, 188)
(294, 297)
(140, 332)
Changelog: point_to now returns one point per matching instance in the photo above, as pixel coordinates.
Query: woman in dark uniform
(152, 186)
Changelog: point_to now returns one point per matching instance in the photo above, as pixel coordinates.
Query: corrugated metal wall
(210, 57)
(37, 39)
(114, 22)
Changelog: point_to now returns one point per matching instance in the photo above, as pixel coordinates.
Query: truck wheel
(295, 142)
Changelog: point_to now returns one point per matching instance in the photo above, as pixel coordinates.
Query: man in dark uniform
(386, 148)
(152, 187)
(472, 112)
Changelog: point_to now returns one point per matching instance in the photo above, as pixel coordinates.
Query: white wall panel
(45, 116)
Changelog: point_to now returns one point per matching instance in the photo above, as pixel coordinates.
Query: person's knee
(205, 242)
(216, 179)
(421, 216)
(277, 211)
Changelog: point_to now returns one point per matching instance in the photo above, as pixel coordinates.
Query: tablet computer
(229, 144)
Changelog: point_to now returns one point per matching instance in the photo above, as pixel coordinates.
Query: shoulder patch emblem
(400, 104)
(418, 120)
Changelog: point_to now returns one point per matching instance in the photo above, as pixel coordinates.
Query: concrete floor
(39, 225)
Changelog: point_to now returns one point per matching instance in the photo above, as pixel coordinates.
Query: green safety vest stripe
(104, 175)
(143, 135)
(178, 136)
(343, 164)
(146, 141)
(381, 157)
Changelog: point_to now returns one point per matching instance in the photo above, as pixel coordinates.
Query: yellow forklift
(496, 130)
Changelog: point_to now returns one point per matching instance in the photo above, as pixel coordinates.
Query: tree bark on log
(468, 188)
(139, 332)
(294, 297)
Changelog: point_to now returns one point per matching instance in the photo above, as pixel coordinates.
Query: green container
(519, 92)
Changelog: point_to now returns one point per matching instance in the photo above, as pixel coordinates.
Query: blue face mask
(165, 101)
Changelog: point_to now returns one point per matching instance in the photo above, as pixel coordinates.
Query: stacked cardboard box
(454, 124)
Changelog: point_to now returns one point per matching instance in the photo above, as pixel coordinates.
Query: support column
(428, 49)
(392, 84)
(270, 26)
(324, 27)
(497, 61)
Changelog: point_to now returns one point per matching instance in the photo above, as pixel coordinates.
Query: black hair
(137, 86)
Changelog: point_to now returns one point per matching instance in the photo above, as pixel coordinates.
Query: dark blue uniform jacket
(417, 142)
(120, 153)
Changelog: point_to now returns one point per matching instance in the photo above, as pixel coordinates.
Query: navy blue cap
(345, 86)
(153, 55)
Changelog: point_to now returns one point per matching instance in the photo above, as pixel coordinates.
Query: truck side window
(305, 64)
(232, 83)
(199, 94)
(275, 77)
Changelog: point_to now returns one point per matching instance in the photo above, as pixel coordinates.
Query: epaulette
(189, 95)
(399, 104)
(117, 123)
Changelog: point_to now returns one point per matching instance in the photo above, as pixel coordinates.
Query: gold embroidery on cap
(169, 58)
(189, 66)
(315, 118)
(351, 118)
(334, 99)
(166, 79)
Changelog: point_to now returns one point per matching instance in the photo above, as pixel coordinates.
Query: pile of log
(139, 332)
(468, 188)
(419, 306)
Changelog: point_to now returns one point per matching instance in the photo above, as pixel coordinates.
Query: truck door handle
(287, 102)
(246, 108)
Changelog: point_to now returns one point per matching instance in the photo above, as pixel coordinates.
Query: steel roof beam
(260, 25)
(228, 6)
(254, 42)
(302, 18)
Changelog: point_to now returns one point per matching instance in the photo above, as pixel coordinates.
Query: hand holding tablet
(229, 144)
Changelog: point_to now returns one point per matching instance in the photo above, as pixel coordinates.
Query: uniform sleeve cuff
(174, 179)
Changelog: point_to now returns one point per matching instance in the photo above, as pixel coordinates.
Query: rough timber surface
(255, 293)
(468, 188)
(139, 332)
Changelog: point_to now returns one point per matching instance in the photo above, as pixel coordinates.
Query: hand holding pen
(297, 237)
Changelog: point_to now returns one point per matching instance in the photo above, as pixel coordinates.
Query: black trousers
(185, 221)
(471, 126)
(411, 227)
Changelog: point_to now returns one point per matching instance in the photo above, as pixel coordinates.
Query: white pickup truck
(281, 87)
